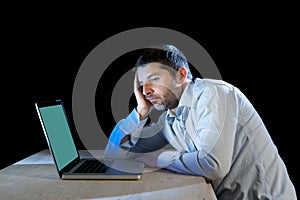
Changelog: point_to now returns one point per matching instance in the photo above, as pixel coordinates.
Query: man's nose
(147, 89)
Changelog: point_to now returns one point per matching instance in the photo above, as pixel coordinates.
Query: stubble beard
(167, 104)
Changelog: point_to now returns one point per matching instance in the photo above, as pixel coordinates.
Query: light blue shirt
(216, 133)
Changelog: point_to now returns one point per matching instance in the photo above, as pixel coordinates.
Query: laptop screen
(59, 135)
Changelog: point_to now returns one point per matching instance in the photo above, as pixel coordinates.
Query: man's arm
(131, 137)
(124, 136)
(127, 132)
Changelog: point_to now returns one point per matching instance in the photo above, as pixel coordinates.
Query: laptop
(69, 164)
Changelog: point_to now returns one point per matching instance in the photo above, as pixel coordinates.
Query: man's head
(168, 55)
(163, 73)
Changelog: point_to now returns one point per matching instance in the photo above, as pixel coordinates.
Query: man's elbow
(108, 154)
(113, 151)
(214, 169)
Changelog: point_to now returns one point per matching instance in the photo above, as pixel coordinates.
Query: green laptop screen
(59, 135)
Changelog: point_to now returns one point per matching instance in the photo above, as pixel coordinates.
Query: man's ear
(181, 75)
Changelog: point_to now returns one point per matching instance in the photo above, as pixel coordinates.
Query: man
(214, 130)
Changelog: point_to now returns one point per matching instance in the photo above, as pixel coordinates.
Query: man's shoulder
(208, 82)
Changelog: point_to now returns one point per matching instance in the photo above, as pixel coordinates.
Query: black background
(41, 54)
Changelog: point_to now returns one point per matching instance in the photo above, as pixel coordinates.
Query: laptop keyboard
(91, 166)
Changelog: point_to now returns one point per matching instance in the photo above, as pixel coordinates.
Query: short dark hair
(165, 54)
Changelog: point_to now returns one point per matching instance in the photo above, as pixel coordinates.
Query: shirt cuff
(166, 158)
(132, 124)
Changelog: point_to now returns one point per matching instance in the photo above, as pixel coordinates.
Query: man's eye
(154, 79)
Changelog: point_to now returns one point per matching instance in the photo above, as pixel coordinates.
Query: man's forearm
(120, 140)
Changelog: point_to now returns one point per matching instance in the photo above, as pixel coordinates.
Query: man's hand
(144, 107)
(150, 159)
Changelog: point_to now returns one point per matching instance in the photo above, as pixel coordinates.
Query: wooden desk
(35, 177)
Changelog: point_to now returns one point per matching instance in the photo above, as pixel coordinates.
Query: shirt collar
(185, 99)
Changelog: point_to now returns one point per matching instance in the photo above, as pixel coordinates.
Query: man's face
(158, 86)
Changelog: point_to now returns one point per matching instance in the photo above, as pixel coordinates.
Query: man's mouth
(152, 99)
